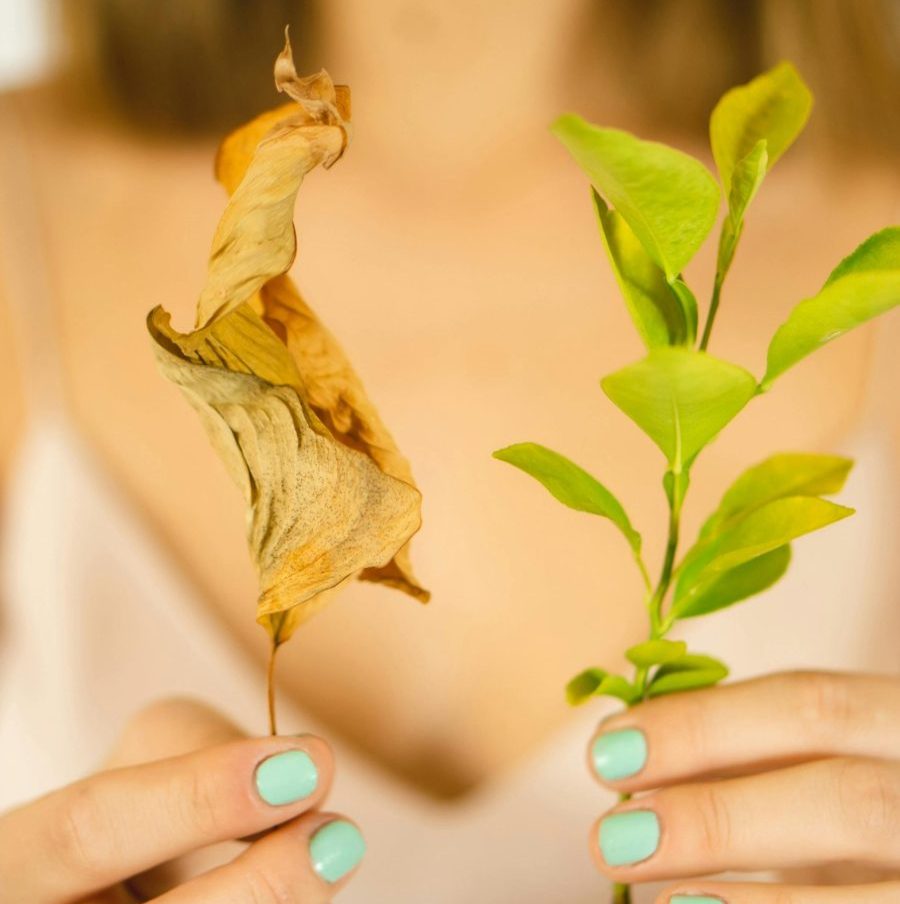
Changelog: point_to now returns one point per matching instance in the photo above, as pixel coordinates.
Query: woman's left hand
(791, 770)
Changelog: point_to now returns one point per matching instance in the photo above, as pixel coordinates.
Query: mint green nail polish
(286, 777)
(336, 849)
(619, 754)
(694, 899)
(629, 837)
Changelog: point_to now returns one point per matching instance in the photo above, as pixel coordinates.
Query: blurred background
(140, 56)
(453, 252)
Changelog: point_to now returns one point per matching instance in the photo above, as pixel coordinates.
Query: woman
(479, 309)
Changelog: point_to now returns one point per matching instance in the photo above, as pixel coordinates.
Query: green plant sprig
(655, 207)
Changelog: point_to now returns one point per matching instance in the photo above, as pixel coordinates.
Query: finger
(124, 821)
(167, 728)
(728, 893)
(171, 727)
(304, 862)
(822, 812)
(741, 728)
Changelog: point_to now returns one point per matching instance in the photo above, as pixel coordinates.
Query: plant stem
(658, 626)
(270, 685)
(713, 309)
(622, 891)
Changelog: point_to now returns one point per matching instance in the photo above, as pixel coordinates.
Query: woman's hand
(85, 842)
(792, 770)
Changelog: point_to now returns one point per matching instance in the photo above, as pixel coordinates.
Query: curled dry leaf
(329, 495)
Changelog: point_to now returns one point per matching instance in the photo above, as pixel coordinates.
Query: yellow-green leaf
(879, 252)
(785, 474)
(773, 107)
(599, 683)
(668, 198)
(680, 398)
(653, 305)
(843, 304)
(725, 588)
(691, 672)
(688, 302)
(570, 484)
(656, 652)
(760, 531)
(746, 179)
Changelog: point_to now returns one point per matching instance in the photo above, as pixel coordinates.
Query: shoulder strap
(26, 282)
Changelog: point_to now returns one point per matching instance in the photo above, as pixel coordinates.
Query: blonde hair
(205, 65)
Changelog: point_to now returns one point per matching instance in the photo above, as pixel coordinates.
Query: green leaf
(746, 179)
(760, 531)
(722, 589)
(570, 484)
(668, 198)
(656, 652)
(880, 251)
(774, 106)
(599, 683)
(583, 685)
(688, 303)
(689, 673)
(654, 307)
(779, 476)
(842, 305)
(680, 398)
(750, 128)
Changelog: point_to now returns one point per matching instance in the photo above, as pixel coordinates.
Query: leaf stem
(270, 687)
(713, 310)
(648, 584)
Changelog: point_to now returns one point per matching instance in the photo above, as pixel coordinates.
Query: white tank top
(96, 620)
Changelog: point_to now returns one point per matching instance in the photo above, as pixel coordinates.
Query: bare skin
(462, 271)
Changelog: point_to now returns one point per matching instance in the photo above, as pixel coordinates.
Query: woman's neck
(459, 86)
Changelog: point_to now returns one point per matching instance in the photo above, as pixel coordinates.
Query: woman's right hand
(84, 842)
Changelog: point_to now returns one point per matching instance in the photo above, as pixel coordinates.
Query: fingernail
(629, 837)
(694, 899)
(336, 849)
(286, 777)
(619, 754)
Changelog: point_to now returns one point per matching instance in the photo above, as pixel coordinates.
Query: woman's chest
(470, 332)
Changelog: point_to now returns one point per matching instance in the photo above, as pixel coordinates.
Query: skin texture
(431, 312)
(737, 775)
(178, 786)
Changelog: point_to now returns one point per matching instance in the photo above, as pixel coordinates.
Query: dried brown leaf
(329, 495)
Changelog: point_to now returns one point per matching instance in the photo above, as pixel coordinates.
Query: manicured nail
(694, 899)
(336, 849)
(286, 777)
(629, 837)
(619, 754)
